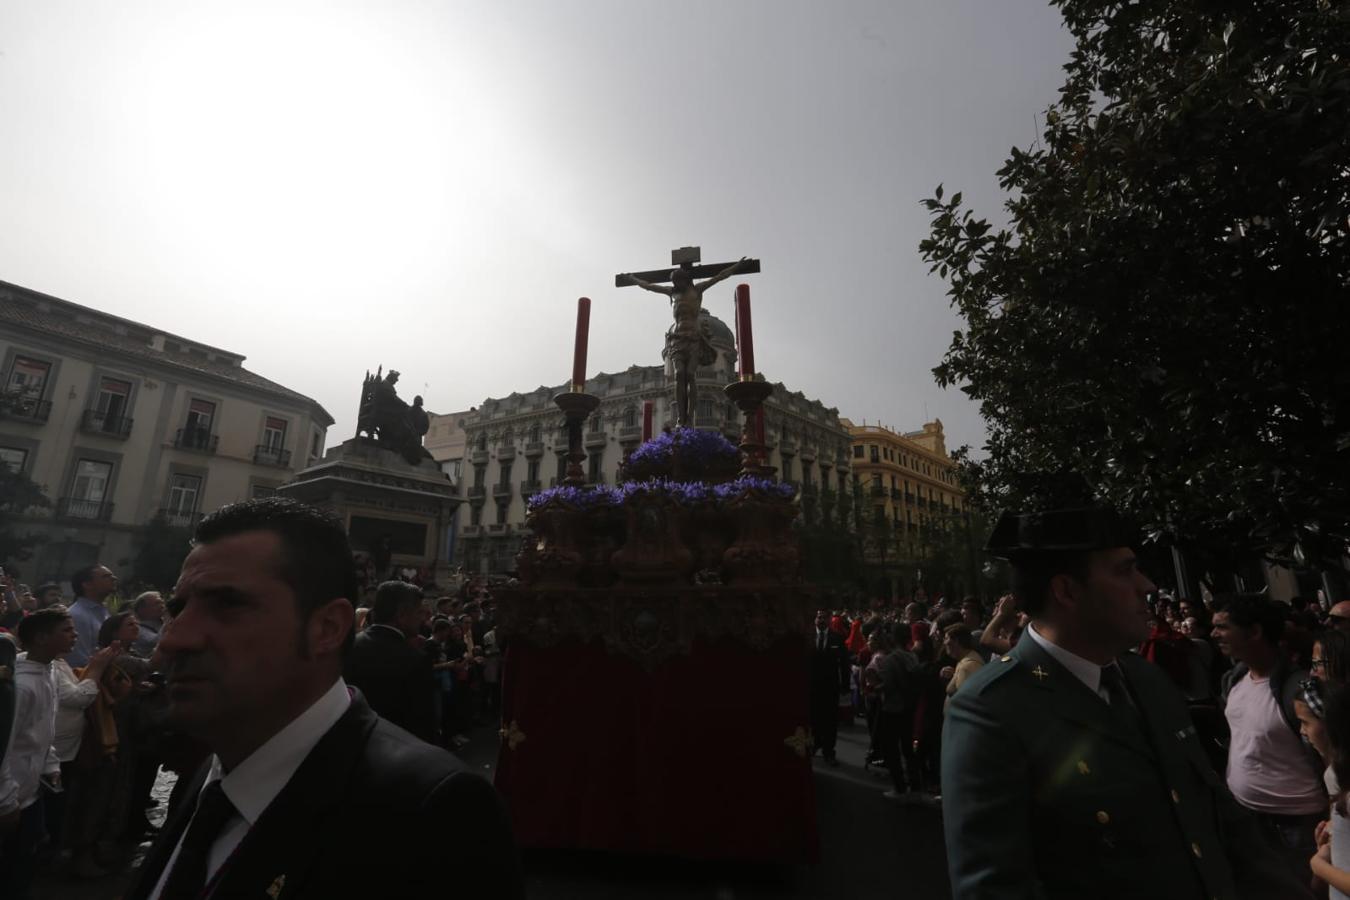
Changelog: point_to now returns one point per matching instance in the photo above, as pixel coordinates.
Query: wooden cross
(686, 258)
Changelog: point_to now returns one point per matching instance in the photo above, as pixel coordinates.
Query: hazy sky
(326, 187)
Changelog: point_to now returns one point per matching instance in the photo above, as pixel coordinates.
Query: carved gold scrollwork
(800, 742)
(512, 735)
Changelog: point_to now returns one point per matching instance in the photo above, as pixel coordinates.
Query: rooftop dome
(721, 334)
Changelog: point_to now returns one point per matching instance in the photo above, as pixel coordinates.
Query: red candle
(743, 338)
(579, 354)
(647, 407)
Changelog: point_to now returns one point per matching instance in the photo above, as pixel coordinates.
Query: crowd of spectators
(89, 735)
(1265, 682)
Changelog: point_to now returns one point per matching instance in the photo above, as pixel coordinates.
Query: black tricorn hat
(1060, 530)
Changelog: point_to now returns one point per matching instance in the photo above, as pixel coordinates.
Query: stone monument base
(380, 497)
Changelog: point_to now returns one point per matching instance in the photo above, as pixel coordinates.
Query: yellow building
(909, 498)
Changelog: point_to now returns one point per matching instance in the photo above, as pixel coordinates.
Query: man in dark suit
(307, 794)
(396, 679)
(1070, 767)
(829, 677)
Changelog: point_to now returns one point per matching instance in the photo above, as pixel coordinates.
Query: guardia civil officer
(1070, 767)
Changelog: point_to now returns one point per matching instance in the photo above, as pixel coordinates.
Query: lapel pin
(1039, 673)
(275, 890)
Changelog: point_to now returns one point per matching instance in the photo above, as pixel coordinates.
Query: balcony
(84, 510)
(499, 529)
(909, 498)
(199, 440)
(477, 493)
(534, 448)
(876, 490)
(597, 478)
(501, 490)
(478, 457)
(596, 438)
(178, 518)
(506, 452)
(264, 455)
(95, 422)
(20, 409)
(707, 422)
(630, 433)
(530, 487)
(895, 493)
(472, 531)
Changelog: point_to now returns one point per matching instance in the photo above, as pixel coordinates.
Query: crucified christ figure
(685, 341)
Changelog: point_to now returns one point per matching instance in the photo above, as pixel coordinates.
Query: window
(28, 377)
(475, 515)
(875, 454)
(274, 433)
(630, 417)
(479, 474)
(824, 478)
(201, 413)
(113, 399)
(501, 513)
(705, 408)
(91, 480)
(481, 442)
(316, 445)
(535, 435)
(787, 468)
(596, 460)
(14, 458)
(506, 474)
(532, 471)
(184, 491)
(262, 490)
(857, 451)
(597, 423)
(562, 468)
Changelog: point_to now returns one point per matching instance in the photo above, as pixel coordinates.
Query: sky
(328, 187)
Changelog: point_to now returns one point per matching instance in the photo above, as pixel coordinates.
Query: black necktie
(188, 877)
(1122, 705)
(822, 641)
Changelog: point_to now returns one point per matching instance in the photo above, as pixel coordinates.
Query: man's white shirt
(253, 784)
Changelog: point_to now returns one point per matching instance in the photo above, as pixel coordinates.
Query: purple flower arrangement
(592, 497)
(698, 452)
(684, 493)
(754, 484)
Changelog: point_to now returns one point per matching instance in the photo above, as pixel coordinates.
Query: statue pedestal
(377, 493)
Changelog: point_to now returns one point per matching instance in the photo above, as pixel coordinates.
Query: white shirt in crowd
(1268, 769)
(73, 697)
(30, 753)
(253, 784)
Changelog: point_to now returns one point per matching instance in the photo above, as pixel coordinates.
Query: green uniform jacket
(1045, 794)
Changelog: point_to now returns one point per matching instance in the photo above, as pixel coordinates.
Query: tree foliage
(1161, 325)
(18, 495)
(161, 549)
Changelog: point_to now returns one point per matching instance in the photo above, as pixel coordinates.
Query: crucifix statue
(686, 344)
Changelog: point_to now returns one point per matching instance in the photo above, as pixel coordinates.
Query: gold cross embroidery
(1040, 673)
(512, 735)
(800, 741)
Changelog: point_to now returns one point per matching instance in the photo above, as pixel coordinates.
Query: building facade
(911, 504)
(516, 445)
(121, 422)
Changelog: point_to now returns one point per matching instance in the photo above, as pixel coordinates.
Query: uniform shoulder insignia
(993, 672)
